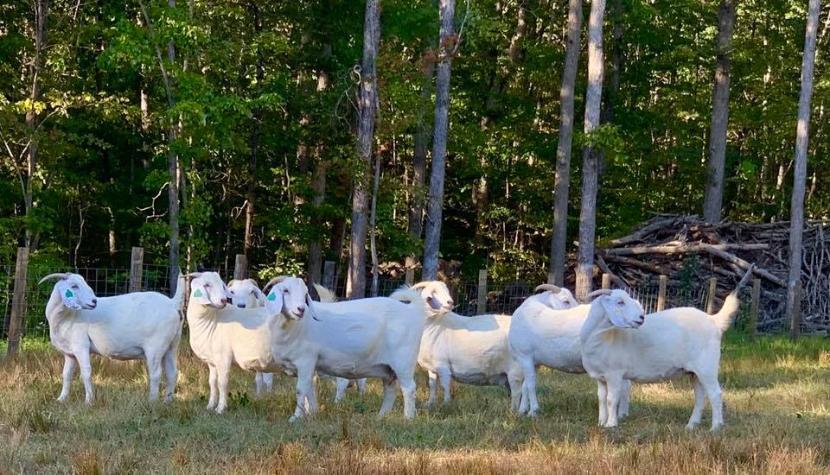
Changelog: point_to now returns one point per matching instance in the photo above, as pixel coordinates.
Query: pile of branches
(687, 249)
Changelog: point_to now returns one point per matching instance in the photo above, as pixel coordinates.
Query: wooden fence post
(481, 298)
(328, 275)
(136, 269)
(661, 293)
(606, 280)
(18, 314)
(754, 308)
(409, 279)
(240, 267)
(713, 289)
(550, 278)
(795, 322)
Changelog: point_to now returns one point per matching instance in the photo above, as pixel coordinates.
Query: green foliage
(286, 90)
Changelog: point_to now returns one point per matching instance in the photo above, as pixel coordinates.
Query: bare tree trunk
(250, 194)
(435, 203)
(173, 188)
(318, 187)
(367, 104)
(590, 155)
(372, 226)
(713, 200)
(802, 138)
(41, 16)
(561, 184)
(419, 163)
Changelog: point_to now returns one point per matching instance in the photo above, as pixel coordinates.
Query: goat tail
(325, 294)
(724, 318)
(408, 295)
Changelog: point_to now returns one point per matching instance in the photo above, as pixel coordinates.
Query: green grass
(776, 392)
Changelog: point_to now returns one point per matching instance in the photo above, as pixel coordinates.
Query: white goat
(621, 343)
(375, 338)
(543, 335)
(140, 325)
(470, 350)
(222, 335)
(246, 294)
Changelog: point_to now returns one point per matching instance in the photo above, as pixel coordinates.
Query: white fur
(470, 350)
(140, 325)
(620, 343)
(246, 294)
(544, 336)
(367, 338)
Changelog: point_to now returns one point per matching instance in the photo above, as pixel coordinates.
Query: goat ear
(614, 312)
(273, 302)
(259, 295)
(199, 295)
(68, 296)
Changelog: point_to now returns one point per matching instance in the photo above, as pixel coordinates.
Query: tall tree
(419, 160)
(802, 141)
(367, 107)
(561, 184)
(590, 154)
(250, 193)
(435, 203)
(720, 113)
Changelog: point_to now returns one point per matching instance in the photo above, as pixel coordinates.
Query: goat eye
(75, 287)
(285, 291)
(620, 302)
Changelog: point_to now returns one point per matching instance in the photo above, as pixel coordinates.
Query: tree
(802, 141)
(720, 113)
(435, 203)
(419, 161)
(590, 153)
(367, 107)
(561, 184)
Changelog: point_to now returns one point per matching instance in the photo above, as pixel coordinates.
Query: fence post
(240, 267)
(606, 280)
(481, 298)
(713, 288)
(795, 323)
(551, 278)
(661, 293)
(754, 308)
(18, 314)
(328, 275)
(410, 276)
(136, 269)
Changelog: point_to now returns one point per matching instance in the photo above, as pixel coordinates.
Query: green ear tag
(68, 294)
(272, 296)
(197, 293)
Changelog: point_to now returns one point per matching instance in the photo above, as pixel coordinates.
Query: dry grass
(777, 398)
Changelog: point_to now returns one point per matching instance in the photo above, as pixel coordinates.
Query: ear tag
(197, 293)
(271, 297)
(68, 294)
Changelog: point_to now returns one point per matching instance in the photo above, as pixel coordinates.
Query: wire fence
(501, 298)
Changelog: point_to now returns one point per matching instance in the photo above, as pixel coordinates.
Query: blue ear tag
(272, 297)
(197, 293)
(68, 294)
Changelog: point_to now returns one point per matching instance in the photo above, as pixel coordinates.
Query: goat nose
(94, 301)
(450, 302)
(301, 310)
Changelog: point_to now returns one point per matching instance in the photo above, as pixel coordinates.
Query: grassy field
(777, 397)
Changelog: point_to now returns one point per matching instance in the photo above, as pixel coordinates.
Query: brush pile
(690, 251)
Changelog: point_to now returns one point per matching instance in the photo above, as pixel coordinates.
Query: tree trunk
(435, 203)
(372, 226)
(561, 184)
(419, 163)
(802, 137)
(250, 194)
(173, 187)
(590, 155)
(720, 113)
(367, 105)
(318, 188)
(41, 16)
